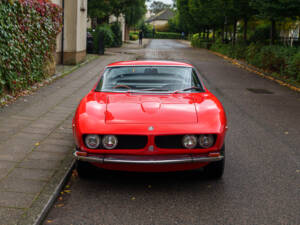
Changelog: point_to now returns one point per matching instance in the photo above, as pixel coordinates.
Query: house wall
(121, 20)
(159, 22)
(75, 24)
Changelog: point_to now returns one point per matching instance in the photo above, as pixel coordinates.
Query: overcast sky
(170, 2)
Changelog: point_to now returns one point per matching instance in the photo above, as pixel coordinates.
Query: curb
(42, 216)
(257, 71)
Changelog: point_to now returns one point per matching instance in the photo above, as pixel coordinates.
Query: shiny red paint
(133, 113)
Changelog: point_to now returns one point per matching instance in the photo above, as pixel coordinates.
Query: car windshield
(149, 79)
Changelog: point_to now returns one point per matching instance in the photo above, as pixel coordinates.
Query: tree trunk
(127, 29)
(223, 33)
(207, 34)
(234, 32)
(245, 28)
(273, 32)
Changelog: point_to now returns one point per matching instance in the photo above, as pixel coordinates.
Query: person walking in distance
(141, 38)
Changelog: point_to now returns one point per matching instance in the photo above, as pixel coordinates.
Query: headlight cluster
(93, 141)
(203, 140)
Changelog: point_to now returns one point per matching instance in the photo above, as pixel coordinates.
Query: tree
(275, 11)
(99, 9)
(158, 6)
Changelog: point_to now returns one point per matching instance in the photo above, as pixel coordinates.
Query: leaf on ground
(133, 198)
(67, 191)
(49, 221)
(59, 205)
(60, 198)
(75, 173)
(37, 144)
(286, 132)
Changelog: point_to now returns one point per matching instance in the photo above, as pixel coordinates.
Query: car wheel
(84, 169)
(215, 170)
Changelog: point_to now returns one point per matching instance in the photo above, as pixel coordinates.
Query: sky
(170, 2)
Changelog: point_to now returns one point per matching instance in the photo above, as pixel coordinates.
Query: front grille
(131, 141)
(169, 141)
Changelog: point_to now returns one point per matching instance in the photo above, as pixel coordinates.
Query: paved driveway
(262, 176)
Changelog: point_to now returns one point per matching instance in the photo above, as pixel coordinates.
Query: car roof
(149, 63)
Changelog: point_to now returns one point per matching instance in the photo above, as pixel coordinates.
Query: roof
(166, 14)
(149, 63)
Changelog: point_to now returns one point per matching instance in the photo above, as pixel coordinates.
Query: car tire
(84, 169)
(215, 170)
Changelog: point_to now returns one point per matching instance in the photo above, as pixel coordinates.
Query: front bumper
(147, 160)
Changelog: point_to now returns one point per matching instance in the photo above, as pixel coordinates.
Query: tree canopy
(199, 15)
(133, 10)
(157, 6)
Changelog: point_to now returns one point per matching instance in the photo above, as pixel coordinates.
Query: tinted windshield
(149, 79)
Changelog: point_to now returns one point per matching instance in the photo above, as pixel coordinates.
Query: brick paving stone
(39, 164)
(34, 130)
(59, 135)
(53, 148)
(12, 156)
(22, 185)
(68, 143)
(15, 199)
(44, 125)
(41, 155)
(5, 167)
(8, 215)
(34, 174)
(31, 136)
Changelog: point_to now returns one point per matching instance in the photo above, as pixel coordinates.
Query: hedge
(107, 34)
(28, 30)
(112, 35)
(281, 60)
(133, 37)
(160, 35)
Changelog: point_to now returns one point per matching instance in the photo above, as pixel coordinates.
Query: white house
(71, 42)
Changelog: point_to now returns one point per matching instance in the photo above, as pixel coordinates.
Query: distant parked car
(89, 43)
(150, 116)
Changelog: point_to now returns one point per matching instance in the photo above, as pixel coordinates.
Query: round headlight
(206, 140)
(109, 141)
(189, 141)
(92, 141)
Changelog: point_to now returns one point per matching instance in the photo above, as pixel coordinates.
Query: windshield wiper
(154, 89)
(188, 89)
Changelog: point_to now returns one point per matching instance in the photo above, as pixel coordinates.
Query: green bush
(133, 37)
(116, 29)
(107, 34)
(197, 42)
(146, 28)
(167, 35)
(28, 31)
(252, 54)
(159, 35)
(293, 68)
(282, 60)
(261, 34)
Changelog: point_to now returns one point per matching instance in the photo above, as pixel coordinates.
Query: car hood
(137, 109)
(104, 112)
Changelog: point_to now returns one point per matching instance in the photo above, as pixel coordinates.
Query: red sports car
(150, 116)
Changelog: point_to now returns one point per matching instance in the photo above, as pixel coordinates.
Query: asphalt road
(261, 184)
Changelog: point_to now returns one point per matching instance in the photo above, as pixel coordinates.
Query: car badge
(151, 148)
(151, 128)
